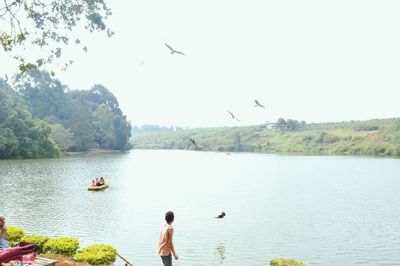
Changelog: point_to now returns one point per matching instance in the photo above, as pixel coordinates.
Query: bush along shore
(65, 249)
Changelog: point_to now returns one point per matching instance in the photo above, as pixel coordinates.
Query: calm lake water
(323, 210)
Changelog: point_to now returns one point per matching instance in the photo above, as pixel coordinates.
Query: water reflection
(220, 253)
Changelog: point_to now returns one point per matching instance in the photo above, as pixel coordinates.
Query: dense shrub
(97, 255)
(14, 234)
(66, 246)
(286, 262)
(39, 241)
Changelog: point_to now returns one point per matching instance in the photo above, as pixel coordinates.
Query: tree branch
(13, 17)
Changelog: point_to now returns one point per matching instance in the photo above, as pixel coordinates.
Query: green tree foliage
(44, 95)
(290, 124)
(62, 136)
(103, 121)
(75, 120)
(80, 124)
(48, 24)
(281, 123)
(22, 136)
(123, 132)
(294, 125)
(100, 95)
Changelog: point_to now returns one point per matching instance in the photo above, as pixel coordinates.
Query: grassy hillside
(379, 137)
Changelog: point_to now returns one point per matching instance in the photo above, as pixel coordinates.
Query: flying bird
(194, 143)
(196, 146)
(233, 116)
(258, 104)
(172, 50)
(222, 215)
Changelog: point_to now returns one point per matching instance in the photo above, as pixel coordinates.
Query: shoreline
(90, 152)
(72, 154)
(294, 154)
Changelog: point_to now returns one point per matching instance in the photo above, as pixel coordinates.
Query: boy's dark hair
(169, 217)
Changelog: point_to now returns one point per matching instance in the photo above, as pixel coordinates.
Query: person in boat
(100, 182)
(165, 245)
(3, 233)
(93, 183)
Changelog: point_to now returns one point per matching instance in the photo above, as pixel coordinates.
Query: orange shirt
(164, 245)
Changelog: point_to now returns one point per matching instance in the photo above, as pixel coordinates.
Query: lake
(323, 210)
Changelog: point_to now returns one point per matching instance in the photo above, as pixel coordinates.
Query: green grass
(378, 137)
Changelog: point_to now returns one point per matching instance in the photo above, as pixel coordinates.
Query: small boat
(97, 188)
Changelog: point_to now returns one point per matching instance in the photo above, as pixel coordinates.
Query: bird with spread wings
(172, 50)
(258, 104)
(233, 116)
(196, 147)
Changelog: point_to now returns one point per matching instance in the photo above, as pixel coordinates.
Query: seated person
(102, 181)
(97, 182)
(3, 233)
(93, 183)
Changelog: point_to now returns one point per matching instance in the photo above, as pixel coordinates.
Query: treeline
(41, 117)
(379, 137)
(290, 124)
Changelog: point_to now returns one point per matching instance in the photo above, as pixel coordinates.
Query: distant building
(269, 125)
(274, 126)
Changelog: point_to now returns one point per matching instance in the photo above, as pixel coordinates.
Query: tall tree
(100, 95)
(81, 125)
(44, 95)
(62, 136)
(21, 136)
(103, 121)
(281, 123)
(123, 131)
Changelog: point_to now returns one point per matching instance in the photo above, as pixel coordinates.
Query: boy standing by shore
(166, 245)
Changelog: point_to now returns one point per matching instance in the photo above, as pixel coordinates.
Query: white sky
(307, 60)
